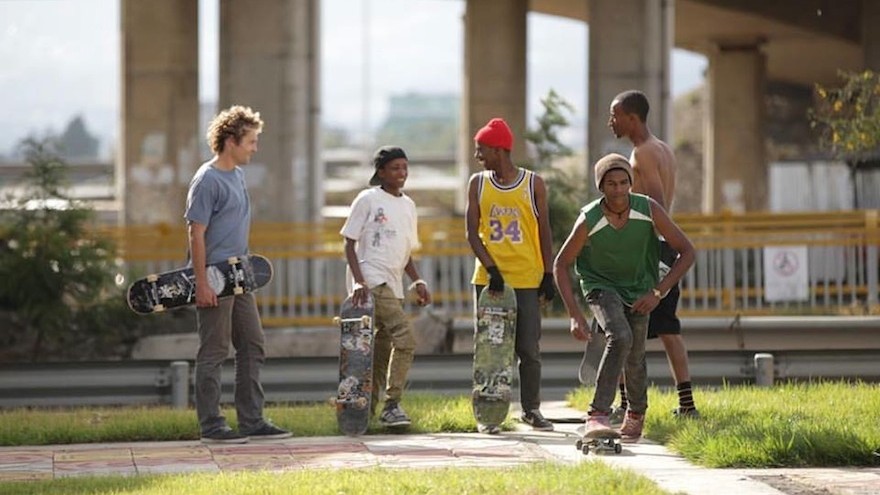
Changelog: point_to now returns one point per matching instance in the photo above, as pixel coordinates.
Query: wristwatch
(657, 293)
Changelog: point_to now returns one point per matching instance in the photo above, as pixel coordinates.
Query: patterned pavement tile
(109, 454)
(25, 475)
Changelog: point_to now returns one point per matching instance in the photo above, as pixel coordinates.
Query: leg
(665, 324)
(528, 347)
(608, 309)
(215, 330)
(636, 369)
(381, 356)
(403, 345)
(250, 354)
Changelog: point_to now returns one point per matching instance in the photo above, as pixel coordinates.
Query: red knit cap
(495, 134)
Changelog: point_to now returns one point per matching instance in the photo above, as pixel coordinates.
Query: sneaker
(686, 412)
(269, 432)
(536, 420)
(394, 415)
(489, 429)
(631, 431)
(224, 435)
(617, 414)
(596, 421)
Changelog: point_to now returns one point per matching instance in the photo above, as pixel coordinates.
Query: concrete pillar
(494, 73)
(734, 163)
(269, 56)
(630, 44)
(870, 34)
(159, 109)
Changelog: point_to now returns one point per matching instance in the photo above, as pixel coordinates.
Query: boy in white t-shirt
(380, 235)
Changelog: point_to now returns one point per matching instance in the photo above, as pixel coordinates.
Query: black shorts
(663, 319)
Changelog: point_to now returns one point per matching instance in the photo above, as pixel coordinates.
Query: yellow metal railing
(727, 278)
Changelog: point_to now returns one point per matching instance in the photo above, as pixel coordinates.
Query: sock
(623, 402)
(685, 396)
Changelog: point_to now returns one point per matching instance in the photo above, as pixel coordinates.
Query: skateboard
(355, 366)
(158, 292)
(599, 441)
(593, 352)
(494, 340)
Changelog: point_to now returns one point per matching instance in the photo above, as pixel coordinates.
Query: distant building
(423, 124)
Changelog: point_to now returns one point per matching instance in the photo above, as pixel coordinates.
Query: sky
(60, 58)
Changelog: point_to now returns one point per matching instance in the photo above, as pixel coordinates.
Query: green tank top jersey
(623, 260)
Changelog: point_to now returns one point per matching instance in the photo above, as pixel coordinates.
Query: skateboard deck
(593, 352)
(599, 441)
(177, 288)
(355, 367)
(494, 340)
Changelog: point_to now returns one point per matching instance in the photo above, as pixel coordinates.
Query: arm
(647, 170)
(546, 239)
(472, 224)
(686, 255)
(576, 241)
(205, 297)
(360, 290)
(421, 287)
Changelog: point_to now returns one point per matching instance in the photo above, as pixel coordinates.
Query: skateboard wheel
(579, 444)
(232, 260)
(152, 277)
(365, 320)
(336, 320)
(158, 308)
(618, 448)
(238, 290)
(585, 449)
(361, 402)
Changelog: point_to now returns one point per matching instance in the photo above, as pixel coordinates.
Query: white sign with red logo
(786, 273)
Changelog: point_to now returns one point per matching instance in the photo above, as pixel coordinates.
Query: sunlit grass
(533, 479)
(790, 425)
(430, 414)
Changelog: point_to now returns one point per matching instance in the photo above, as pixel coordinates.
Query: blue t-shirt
(219, 199)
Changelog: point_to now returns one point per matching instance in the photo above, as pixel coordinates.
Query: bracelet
(417, 282)
(355, 286)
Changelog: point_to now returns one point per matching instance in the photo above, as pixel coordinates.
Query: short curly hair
(233, 122)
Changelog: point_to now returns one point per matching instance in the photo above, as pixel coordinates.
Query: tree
(848, 118)
(57, 273)
(848, 121)
(566, 192)
(76, 142)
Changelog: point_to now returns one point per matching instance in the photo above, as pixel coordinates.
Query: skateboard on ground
(494, 340)
(593, 352)
(177, 288)
(599, 441)
(355, 366)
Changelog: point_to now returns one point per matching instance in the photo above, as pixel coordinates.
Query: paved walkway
(421, 451)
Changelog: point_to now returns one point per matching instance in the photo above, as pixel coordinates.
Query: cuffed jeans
(625, 334)
(234, 320)
(528, 345)
(393, 347)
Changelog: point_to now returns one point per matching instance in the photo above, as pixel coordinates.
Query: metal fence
(728, 277)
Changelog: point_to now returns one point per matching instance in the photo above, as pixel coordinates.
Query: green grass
(430, 413)
(790, 425)
(534, 479)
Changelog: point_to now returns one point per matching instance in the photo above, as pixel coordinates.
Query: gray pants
(528, 345)
(625, 334)
(235, 320)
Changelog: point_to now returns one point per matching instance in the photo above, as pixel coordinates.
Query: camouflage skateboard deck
(494, 340)
(355, 367)
(177, 288)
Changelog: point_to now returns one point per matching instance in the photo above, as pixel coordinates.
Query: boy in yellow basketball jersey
(508, 228)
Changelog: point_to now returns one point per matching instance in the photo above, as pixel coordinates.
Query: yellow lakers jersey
(509, 230)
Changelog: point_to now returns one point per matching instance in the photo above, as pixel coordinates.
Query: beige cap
(608, 163)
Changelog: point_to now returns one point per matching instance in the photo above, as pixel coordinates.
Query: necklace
(618, 213)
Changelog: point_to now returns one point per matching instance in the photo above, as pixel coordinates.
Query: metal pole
(179, 384)
(764, 373)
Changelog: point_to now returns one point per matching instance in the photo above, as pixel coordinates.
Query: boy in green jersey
(614, 248)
